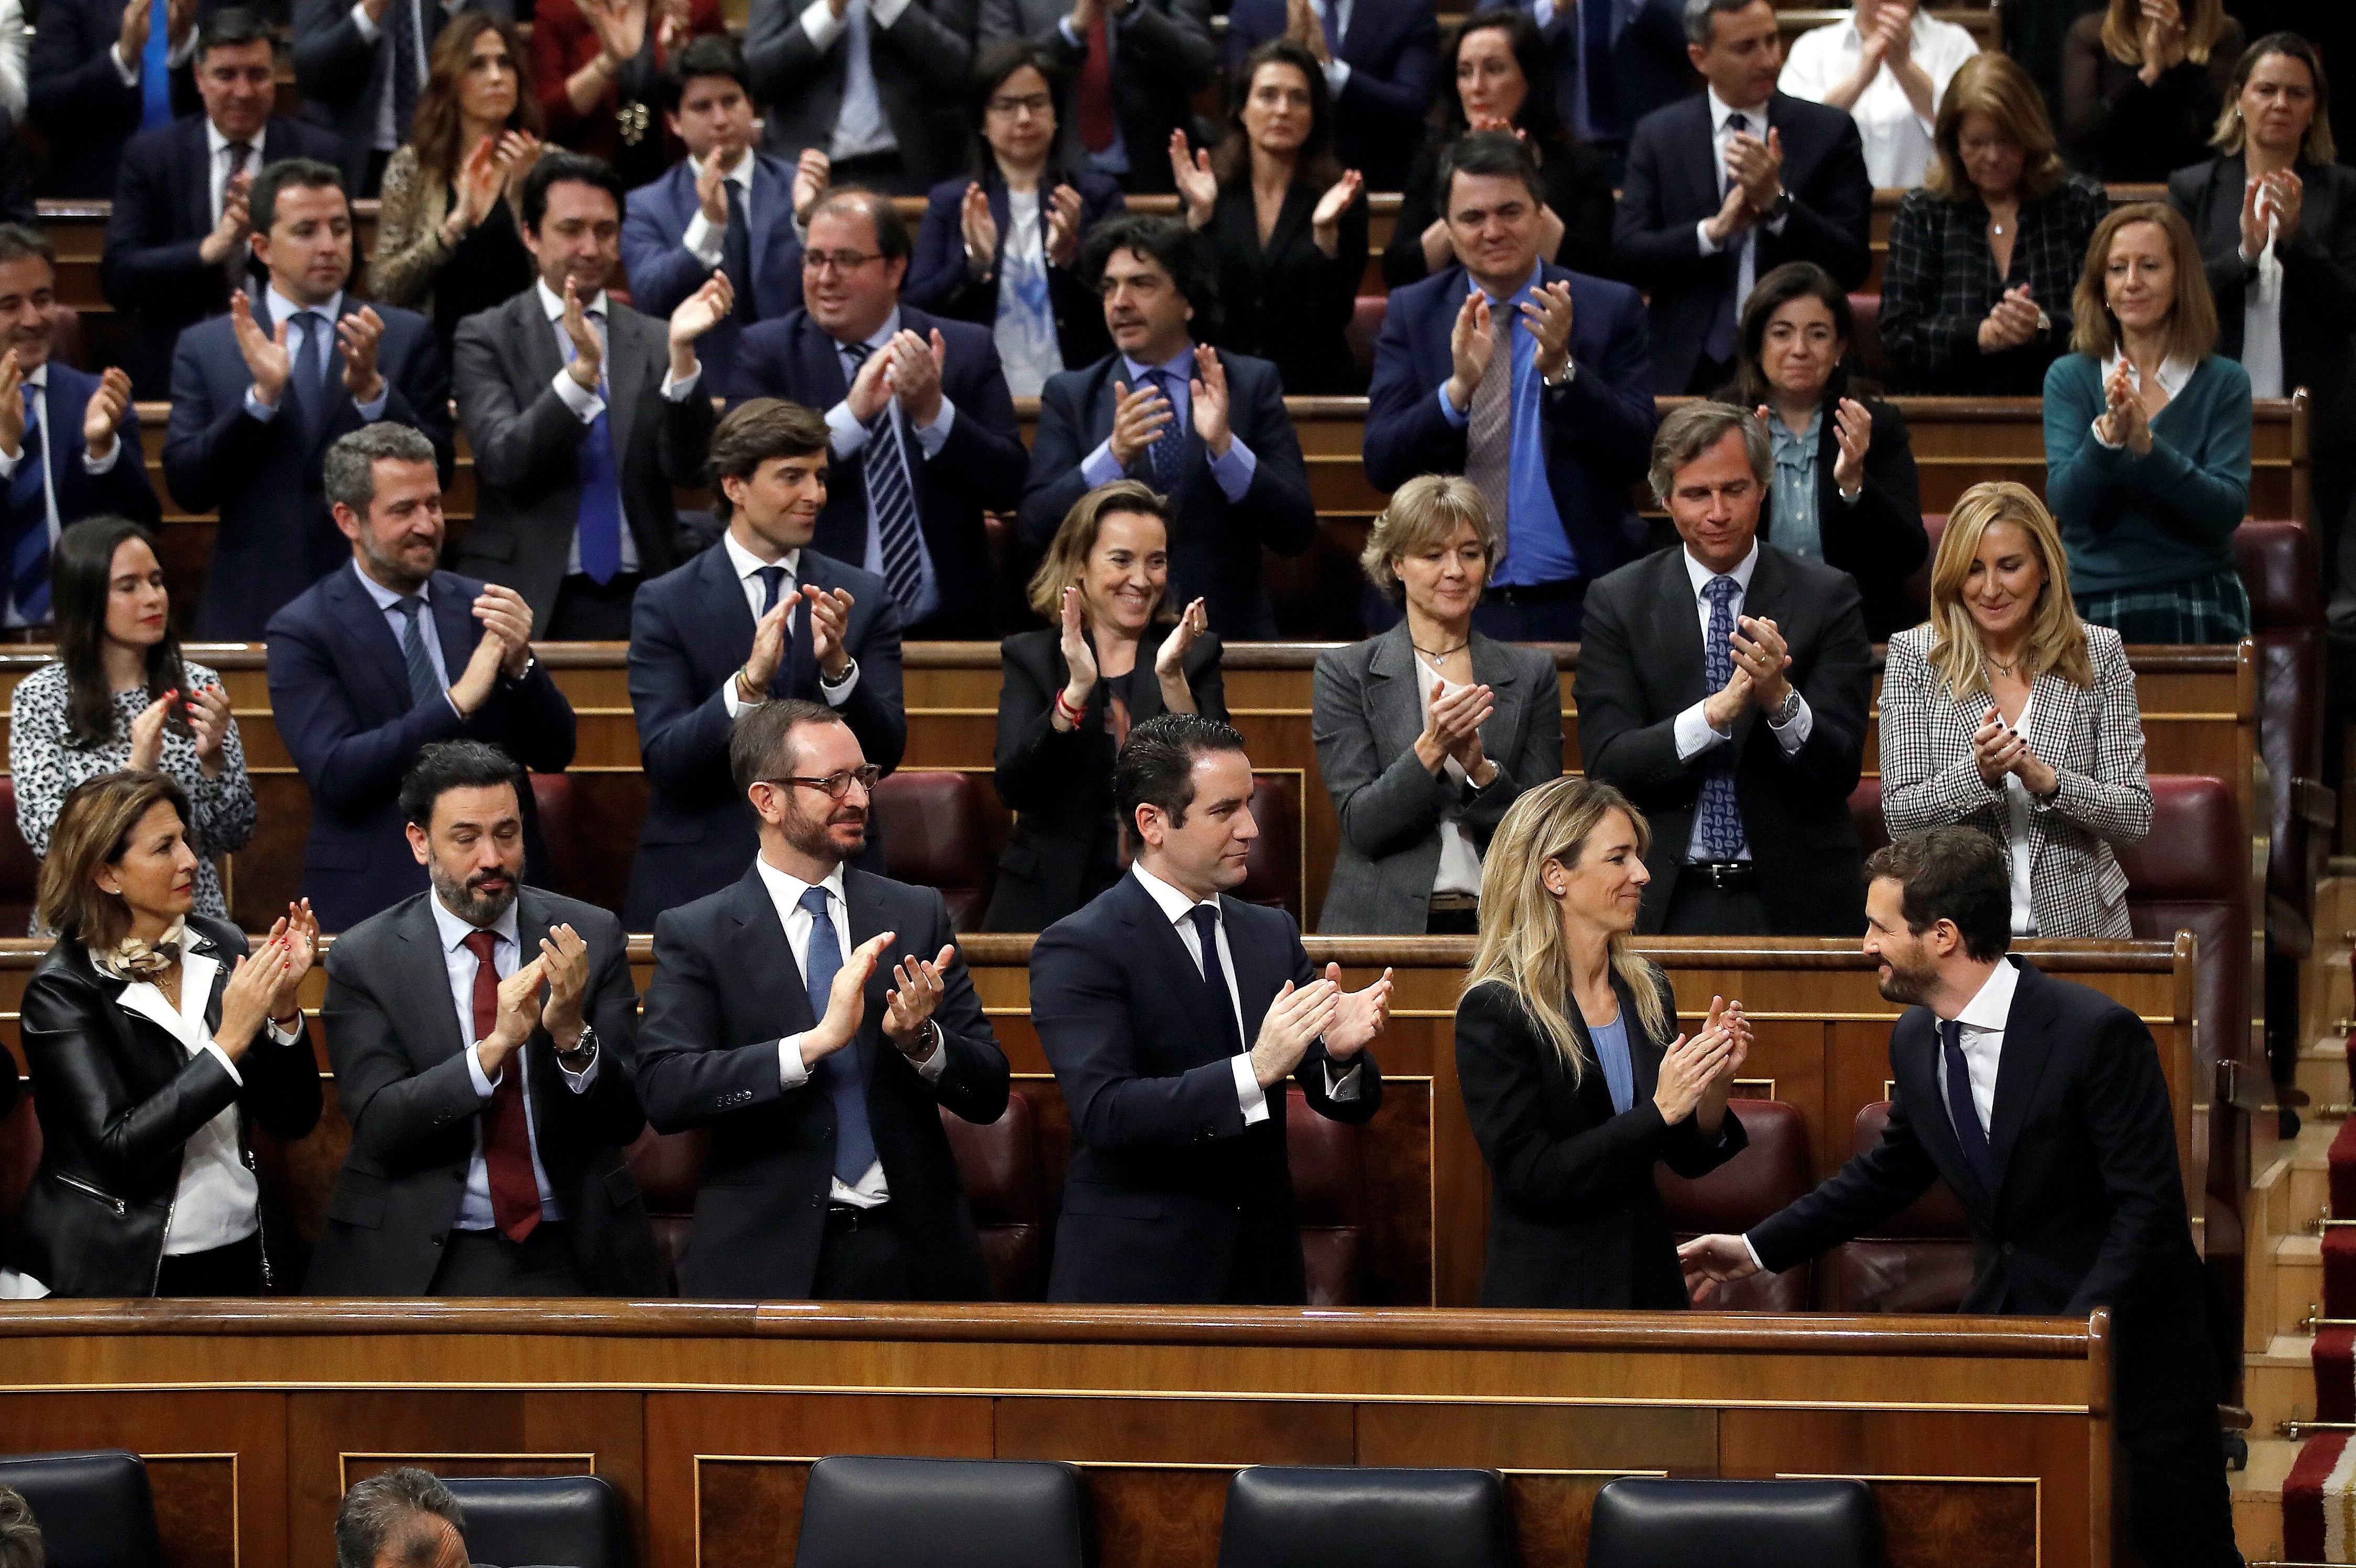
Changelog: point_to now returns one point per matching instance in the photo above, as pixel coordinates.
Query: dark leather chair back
(932, 836)
(20, 1145)
(1329, 1196)
(1667, 1523)
(2281, 567)
(21, 872)
(560, 829)
(1918, 586)
(1272, 870)
(94, 1509)
(998, 1165)
(67, 342)
(1365, 329)
(1919, 1260)
(865, 1512)
(1865, 315)
(1771, 1172)
(516, 1521)
(1286, 1516)
(669, 1166)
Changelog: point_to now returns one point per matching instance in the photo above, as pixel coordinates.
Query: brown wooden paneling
(216, 1463)
(1176, 1432)
(1158, 1519)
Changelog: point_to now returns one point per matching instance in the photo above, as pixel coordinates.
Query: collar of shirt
(1797, 446)
(786, 892)
(284, 310)
(455, 931)
(2173, 372)
(553, 302)
(1174, 906)
(38, 376)
(877, 339)
(741, 176)
(1701, 575)
(746, 562)
(385, 597)
(1993, 1004)
(216, 144)
(1537, 275)
(1720, 111)
(1180, 367)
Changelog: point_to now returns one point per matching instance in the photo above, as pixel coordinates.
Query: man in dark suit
(1724, 188)
(359, 67)
(583, 415)
(1529, 379)
(1208, 430)
(1179, 1188)
(385, 655)
(259, 394)
(873, 84)
(757, 617)
(1377, 56)
(925, 440)
(2040, 1104)
(829, 1175)
(1722, 686)
(176, 242)
(487, 1124)
(1131, 71)
(1615, 62)
(101, 70)
(69, 441)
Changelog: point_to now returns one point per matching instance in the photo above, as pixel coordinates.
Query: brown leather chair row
(1762, 1178)
(1919, 1260)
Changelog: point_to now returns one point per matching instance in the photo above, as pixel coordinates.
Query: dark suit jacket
(1575, 1220)
(1162, 55)
(1671, 185)
(725, 991)
(938, 280)
(1064, 846)
(2089, 1207)
(340, 691)
(162, 210)
(979, 467)
(76, 99)
(1170, 1196)
(1287, 301)
(1599, 428)
(919, 63)
(663, 271)
(399, 1049)
(1649, 68)
(265, 477)
(1390, 46)
(342, 75)
(689, 632)
(527, 444)
(122, 489)
(1879, 541)
(1215, 548)
(1640, 665)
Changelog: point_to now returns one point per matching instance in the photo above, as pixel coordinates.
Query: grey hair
(351, 461)
(18, 242)
(1694, 429)
(20, 1532)
(1699, 12)
(381, 1513)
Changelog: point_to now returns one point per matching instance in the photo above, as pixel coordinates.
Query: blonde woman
(2142, 82)
(2007, 712)
(1574, 1076)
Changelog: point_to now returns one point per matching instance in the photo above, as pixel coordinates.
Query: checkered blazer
(2091, 736)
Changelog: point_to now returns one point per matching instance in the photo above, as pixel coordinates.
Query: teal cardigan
(2167, 517)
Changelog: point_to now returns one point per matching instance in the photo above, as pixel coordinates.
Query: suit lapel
(866, 923)
(1394, 695)
(1492, 668)
(1680, 624)
(2020, 1067)
(195, 161)
(380, 651)
(763, 951)
(1701, 170)
(1159, 939)
(534, 345)
(626, 369)
(1644, 1058)
(424, 977)
(453, 624)
(1594, 1091)
(821, 368)
(1913, 1065)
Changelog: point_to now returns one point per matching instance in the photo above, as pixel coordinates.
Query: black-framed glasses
(836, 785)
(844, 261)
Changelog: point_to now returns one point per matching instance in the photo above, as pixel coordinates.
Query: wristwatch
(1777, 208)
(530, 663)
(1790, 710)
(583, 1052)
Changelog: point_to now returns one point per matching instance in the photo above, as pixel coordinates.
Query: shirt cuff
(1709, 246)
(1339, 1086)
(126, 69)
(176, 58)
(283, 1037)
(585, 1080)
(1071, 33)
(373, 410)
(884, 12)
(484, 1087)
(820, 25)
(237, 1077)
(732, 698)
(2096, 429)
(1776, 225)
(8, 461)
(368, 28)
(837, 695)
(1793, 736)
(1337, 76)
(1099, 468)
(1234, 470)
(1542, 13)
(1694, 733)
(1449, 412)
(933, 436)
(846, 436)
(676, 387)
(792, 1072)
(586, 405)
(91, 465)
(1249, 1093)
(704, 239)
(265, 412)
(1754, 1255)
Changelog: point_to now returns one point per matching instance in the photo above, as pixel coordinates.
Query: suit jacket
(938, 280)
(340, 690)
(978, 468)
(1879, 541)
(919, 64)
(1390, 46)
(76, 99)
(1640, 665)
(527, 444)
(689, 632)
(119, 1097)
(1672, 186)
(1575, 1220)
(663, 271)
(277, 535)
(123, 489)
(1162, 55)
(1599, 428)
(1287, 301)
(162, 210)
(726, 991)
(1216, 544)
(1064, 846)
(1365, 714)
(400, 1047)
(1170, 1196)
(342, 75)
(1648, 66)
(2089, 1206)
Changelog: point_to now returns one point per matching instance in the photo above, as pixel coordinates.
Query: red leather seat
(1740, 1193)
(1272, 874)
(998, 1165)
(934, 837)
(68, 343)
(1365, 327)
(1864, 312)
(1918, 586)
(1918, 1260)
(2282, 569)
(1329, 1195)
(669, 1168)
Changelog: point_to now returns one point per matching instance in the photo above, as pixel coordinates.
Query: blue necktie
(425, 687)
(1970, 1137)
(155, 69)
(1718, 819)
(736, 254)
(400, 27)
(1215, 975)
(854, 1145)
(773, 583)
(892, 500)
(599, 522)
(310, 368)
(1165, 457)
(1332, 21)
(29, 515)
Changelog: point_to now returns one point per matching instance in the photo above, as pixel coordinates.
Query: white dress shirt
(1897, 135)
(2174, 372)
(2020, 844)
(1721, 137)
(747, 567)
(859, 126)
(323, 348)
(704, 239)
(1693, 730)
(2262, 347)
(1459, 862)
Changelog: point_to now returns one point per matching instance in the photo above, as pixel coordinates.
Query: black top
(2116, 129)
(489, 267)
(1287, 301)
(1579, 188)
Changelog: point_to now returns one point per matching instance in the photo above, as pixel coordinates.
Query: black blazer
(394, 1036)
(1287, 301)
(1578, 186)
(1575, 1220)
(1640, 665)
(1064, 850)
(1879, 541)
(1170, 1196)
(118, 1099)
(2089, 1207)
(939, 281)
(725, 991)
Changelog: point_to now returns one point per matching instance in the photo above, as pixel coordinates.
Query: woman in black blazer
(1846, 490)
(152, 1038)
(1574, 1084)
(1070, 695)
(1287, 223)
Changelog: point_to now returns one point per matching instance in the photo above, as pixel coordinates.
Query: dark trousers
(485, 1263)
(233, 1270)
(1697, 908)
(2179, 1510)
(588, 611)
(859, 1257)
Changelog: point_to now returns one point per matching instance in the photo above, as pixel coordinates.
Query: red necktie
(507, 1140)
(1097, 127)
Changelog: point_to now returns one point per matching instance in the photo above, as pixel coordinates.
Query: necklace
(1997, 229)
(1439, 654)
(2008, 670)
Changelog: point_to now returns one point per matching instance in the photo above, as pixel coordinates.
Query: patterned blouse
(45, 766)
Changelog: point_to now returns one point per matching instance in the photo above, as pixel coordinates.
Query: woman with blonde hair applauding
(2007, 712)
(1572, 1081)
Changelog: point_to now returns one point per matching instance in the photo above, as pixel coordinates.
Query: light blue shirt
(1796, 528)
(1232, 471)
(847, 438)
(1611, 1054)
(388, 601)
(323, 344)
(1537, 548)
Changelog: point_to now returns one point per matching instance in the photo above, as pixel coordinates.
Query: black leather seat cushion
(94, 1509)
(516, 1521)
(862, 1511)
(1284, 1515)
(1708, 1524)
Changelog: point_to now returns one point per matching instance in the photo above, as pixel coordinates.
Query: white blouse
(2021, 845)
(1459, 862)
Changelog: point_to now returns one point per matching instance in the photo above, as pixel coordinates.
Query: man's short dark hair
(714, 54)
(890, 229)
(231, 26)
(383, 1513)
(455, 764)
(1497, 153)
(1176, 249)
(760, 741)
(300, 174)
(753, 433)
(1950, 874)
(1156, 766)
(19, 241)
(349, 471)
(581, 169)
(1701, 17)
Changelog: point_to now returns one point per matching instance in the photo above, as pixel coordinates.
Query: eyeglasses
(841, 260)
(1032, 103)
(837, 785)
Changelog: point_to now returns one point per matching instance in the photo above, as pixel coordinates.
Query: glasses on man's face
(837, 785)
(1030, 103)
(845, 262)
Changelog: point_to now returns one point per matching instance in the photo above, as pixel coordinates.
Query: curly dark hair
(1176, 249)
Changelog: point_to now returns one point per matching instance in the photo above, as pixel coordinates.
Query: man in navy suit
(384, 656)
(1208, 430)
(176, 243)
(69, 441)
(1179, 1188)
(1377, 56)
(1565, 427)
(924, 434)
(1724, 188)
(259, 396)
(101, 70)
(758, 616)
(1615, 62)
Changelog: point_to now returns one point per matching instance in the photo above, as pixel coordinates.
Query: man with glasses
(757, 618)
(816, 1020)
(921, 426)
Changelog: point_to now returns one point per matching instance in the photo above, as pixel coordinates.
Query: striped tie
(423, 684)
(28, 514)
(892, 500)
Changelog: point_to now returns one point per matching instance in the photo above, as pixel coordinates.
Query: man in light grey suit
(583, 415)
(1132, 69)
(877, 85)
(360, 66)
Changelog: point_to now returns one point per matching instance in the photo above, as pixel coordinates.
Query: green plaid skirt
(2215, 608)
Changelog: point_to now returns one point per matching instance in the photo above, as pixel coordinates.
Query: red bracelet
(1064, 706)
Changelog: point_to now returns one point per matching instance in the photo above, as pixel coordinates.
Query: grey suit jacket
(920, 64)
(527, 444)
(1366, 715)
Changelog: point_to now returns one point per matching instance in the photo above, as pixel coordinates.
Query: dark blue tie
(423, 684)
(29, 515)
(773, 583)
(1165, 457)
(1718, 820)
(598, 522)
(401, 18)
(1970, 1137)
(890, 499)
(1215, 975)
(311, 332)
(854, 1145)
(1719, 341)
(736, 254)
